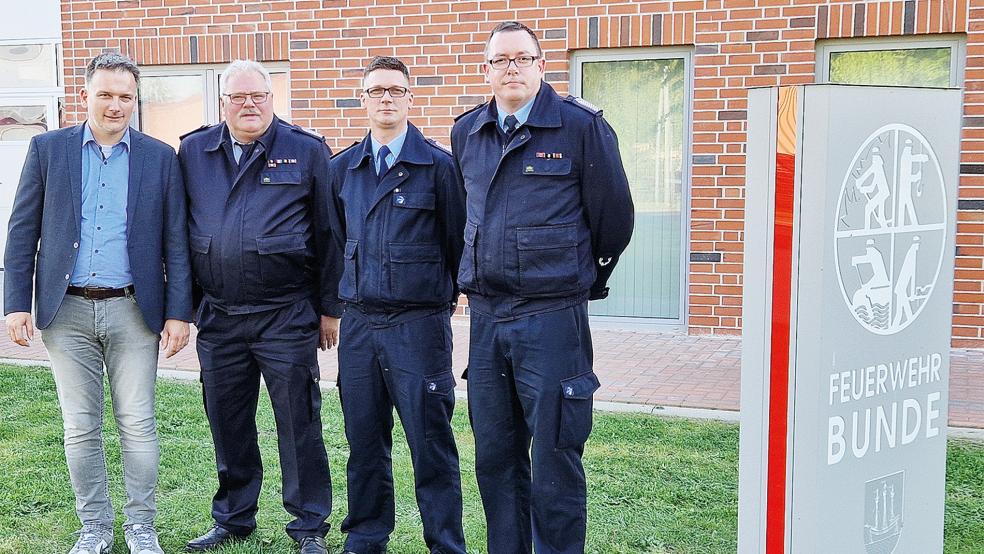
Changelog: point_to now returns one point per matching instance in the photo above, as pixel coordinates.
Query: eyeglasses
(520, 61)
(394, 92)
(240, 98)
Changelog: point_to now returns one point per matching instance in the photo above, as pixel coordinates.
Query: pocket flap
(542, 238)
(350, 248)
(419, 200)
(280, 177)
(199, 243)
(278, 244)
(546, 166)
(580, 387)
(471, 231)
(440, 383)
(414, 252)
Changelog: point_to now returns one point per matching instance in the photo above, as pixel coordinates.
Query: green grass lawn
(655, 484)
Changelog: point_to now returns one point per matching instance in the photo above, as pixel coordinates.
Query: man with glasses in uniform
(549, 212)
(399, 209)
(261, 252)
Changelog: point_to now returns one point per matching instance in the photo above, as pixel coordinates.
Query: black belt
(97, 293)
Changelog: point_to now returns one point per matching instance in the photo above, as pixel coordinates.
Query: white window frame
(956, 43)
(578, 59)
(51, 110)
(209, 74)
(56, 91)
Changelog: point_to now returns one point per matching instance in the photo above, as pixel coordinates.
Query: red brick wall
(737, 44)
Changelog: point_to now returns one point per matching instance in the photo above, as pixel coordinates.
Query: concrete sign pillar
(850, 215)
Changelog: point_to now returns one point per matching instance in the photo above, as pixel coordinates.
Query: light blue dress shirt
(521, 114)
(103, 260)
(395, 146)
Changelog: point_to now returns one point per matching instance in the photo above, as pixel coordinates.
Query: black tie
(245, 151)
(511, 123)
(383, 166)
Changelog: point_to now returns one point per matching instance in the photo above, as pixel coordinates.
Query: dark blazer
(48, 207)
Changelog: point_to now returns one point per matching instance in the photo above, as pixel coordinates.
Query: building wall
(736, 44)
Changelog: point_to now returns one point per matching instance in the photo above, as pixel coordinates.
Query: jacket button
(66, 276)
(396, 190)
(432, 386)
(76, 245)
(400, 174)
(521, 137)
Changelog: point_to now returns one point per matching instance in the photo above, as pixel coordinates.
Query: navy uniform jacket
(401, 236)
(548, 213)
(260, 235)
(48, 208)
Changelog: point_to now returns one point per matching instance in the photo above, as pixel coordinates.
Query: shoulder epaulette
(583, 104)
(346, 149)
(192, 132)
(439, 145)
(308, 132)
(482, 105)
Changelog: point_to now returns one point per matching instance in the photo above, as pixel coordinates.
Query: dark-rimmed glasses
(394, 92)
(520, 61)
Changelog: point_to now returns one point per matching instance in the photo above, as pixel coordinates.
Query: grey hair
(244, 66)
(112, 61)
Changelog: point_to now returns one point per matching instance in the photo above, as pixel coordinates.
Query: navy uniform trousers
(234, 351)
(530, 380)
(406, 365)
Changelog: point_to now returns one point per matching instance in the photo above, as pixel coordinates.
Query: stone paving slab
(643, 367)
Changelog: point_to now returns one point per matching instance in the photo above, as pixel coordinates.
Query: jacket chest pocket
(282, 258)
(281, 177)
(547, 259)
(416, 272)
(348, 288)
(415, 200)
(546, 166)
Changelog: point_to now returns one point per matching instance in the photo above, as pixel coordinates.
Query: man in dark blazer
(108, 207)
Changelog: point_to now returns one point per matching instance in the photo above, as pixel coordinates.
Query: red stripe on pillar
(775, 530)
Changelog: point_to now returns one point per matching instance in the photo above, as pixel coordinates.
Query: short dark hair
(386, 62)
(112, 61)
(508, 26)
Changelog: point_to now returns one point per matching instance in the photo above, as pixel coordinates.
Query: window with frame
(176, 99)
(935, 61)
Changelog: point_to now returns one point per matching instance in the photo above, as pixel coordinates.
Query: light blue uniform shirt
(103, 260)
(395, 146)
(521, 114)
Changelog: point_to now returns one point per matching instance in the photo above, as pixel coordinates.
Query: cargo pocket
(466, 269)
(348, 285)
(282, 258)
(547, 259)
(200, 265)
(314, 405)
(416, 272)
(575, 409)
(438, 405)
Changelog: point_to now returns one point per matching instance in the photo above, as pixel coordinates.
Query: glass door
(645, 96)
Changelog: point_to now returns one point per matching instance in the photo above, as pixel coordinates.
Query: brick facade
(736, 44)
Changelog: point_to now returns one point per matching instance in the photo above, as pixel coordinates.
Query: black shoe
(313, 545)
(215, 537)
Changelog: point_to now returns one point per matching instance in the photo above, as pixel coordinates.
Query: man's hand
(329, 331)
(174, 337)
(20, 329)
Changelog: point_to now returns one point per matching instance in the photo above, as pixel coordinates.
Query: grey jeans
(84, 336)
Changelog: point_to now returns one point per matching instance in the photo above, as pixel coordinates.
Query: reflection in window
(28, 66)
(645, 102)
(22, 122)
(927, 67)
(171, 105)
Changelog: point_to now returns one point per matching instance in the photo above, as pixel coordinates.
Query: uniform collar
(266, 139)
(544, 113)
(414, 150)
(395, 145)
(521, 115)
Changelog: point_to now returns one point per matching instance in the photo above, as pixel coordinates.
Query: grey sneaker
(93, 539)
(142, 539)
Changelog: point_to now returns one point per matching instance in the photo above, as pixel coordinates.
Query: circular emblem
(890, 229)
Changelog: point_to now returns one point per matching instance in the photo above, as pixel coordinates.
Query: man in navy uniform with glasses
(548, 214)
(262, 255)
(399, 209)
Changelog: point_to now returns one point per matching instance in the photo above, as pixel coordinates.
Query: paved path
(648, 367)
